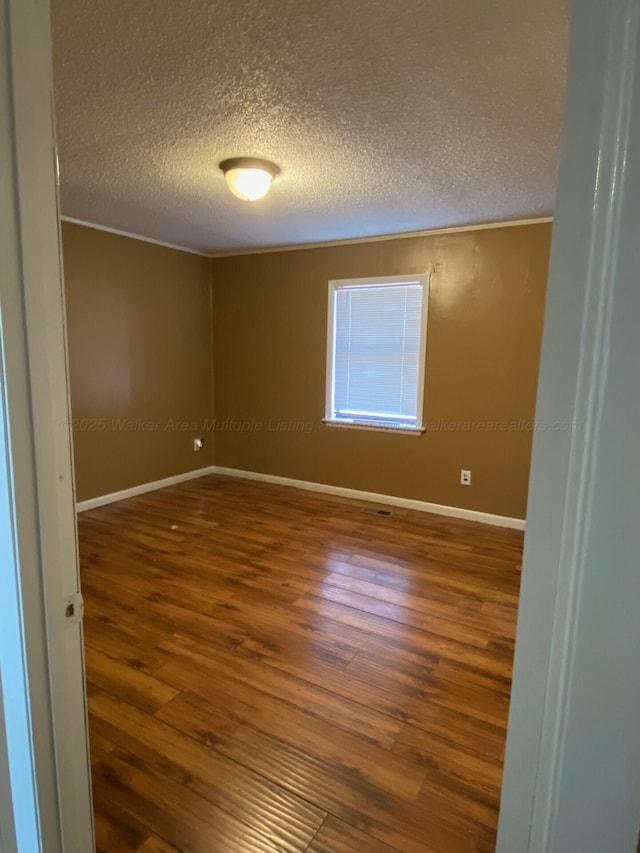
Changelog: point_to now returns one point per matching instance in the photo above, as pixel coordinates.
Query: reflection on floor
(276, 670)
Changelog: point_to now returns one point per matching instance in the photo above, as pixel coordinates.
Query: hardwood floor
(275, 670)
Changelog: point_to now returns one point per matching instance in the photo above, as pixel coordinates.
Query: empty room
(305, 253)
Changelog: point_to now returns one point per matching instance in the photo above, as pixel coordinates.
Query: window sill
(362, 425)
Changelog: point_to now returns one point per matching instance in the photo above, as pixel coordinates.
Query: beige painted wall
(140, 351)
(485, 323)
(139, 333)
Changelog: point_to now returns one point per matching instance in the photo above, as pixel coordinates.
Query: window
(377, 336)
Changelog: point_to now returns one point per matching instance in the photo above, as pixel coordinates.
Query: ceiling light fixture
(249, 178)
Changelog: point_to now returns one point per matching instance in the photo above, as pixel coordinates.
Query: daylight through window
(376, 351)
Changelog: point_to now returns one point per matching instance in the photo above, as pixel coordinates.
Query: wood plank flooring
(275, 670)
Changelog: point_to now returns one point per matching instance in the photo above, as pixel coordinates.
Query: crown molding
(295, 247)
(433, 232)
(132, 236)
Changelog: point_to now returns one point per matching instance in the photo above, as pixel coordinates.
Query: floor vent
(372, 511)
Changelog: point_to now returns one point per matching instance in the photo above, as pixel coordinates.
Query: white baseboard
(306, 485)
(92, 503)
(374, 497)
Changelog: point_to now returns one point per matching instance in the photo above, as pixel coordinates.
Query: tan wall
(139, 332)
(485, 322)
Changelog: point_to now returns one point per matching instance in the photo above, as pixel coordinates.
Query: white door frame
(44, 726)
(572, 775)
(572, 771)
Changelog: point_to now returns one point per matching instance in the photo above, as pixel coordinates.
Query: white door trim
(572, 771)
(39, 487)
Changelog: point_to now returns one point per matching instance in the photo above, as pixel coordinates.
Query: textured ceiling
(384, 115)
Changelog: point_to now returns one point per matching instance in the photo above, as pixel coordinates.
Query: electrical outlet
(198, 444)
(465, 478)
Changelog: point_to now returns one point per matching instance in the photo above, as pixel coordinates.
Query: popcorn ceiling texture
(385, 115)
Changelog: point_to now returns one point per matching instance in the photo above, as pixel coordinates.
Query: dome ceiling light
(249, 178)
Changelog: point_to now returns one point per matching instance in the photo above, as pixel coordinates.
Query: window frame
(423, 279)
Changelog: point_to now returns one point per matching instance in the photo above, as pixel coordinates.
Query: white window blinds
(377, 358)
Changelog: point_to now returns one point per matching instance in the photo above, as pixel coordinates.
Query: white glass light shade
(247, 178)
(249, 184)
